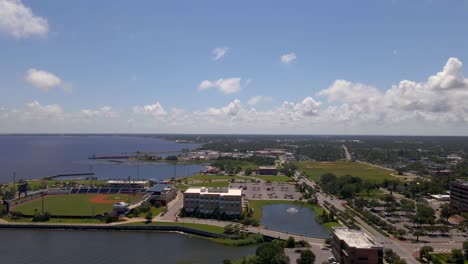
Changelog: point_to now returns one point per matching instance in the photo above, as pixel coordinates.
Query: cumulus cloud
(154, 110)
(442, 98)
(35, 110)
(288, 58)
(346, 91)
(18, 20)
(103, 112)
(451, 77)
(232, 109)
(219, 53)
(226, 86)
(45, 80)
(258, 99)
(438, 105)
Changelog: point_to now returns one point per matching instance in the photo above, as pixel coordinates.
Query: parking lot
(268, 191)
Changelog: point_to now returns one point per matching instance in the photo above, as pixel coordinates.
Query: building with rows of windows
(355, 247)
(459, 195)
(210, 201)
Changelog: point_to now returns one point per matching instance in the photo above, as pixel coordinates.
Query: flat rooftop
(126, 182)
(219, 191)
(267, 167)
(355, 238)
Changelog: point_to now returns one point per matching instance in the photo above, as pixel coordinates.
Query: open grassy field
(207, 228)
(203, 177)
(315, 169)
(76, 204)
(274, 178)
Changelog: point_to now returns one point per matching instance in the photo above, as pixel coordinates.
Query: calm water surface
(77, 247)
(299, 220)
(38, 156)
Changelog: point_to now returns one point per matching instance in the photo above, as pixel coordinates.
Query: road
(401, 248)
(347, 154)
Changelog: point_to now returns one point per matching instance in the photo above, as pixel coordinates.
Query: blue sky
(124, 56)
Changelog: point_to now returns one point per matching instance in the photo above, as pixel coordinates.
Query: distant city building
(355, 247)
(267, 170)
(213, 200)
(459, 195)
(164, 193)
(213, 155)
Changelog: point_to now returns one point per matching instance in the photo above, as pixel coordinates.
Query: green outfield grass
(75, 204)
(315, 169)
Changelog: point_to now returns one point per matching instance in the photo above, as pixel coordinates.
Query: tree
(418, 233)
(172, 158)
(227, 261)
(446, 211)
(424, 215)
(424, 253)
(457, 256)
(307, 257)
(465, 248)
(149, 217)
(270, 253)
(291, 242)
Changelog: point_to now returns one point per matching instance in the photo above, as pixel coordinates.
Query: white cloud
(226, 86)
(19, 21)
(45, 80)
(103, 112)
(451, 77)
(288, 58)
(35, 110)
(154, 110)
(346, 91)
(258, 99)
(436, 106)
(219, 53)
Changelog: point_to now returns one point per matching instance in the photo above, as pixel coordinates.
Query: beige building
(209, 201)
(356, 247)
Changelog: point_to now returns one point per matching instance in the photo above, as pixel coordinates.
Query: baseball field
(75, 204)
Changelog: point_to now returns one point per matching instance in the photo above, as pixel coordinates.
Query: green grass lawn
(207, 228)
(184, 187)
(78, 204)
(155, 211)
(203, 177)
(315, 169)
(275, 178)
(58, 220)
(249, 239)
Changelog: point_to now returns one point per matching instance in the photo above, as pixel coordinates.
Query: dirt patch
(104, 199)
